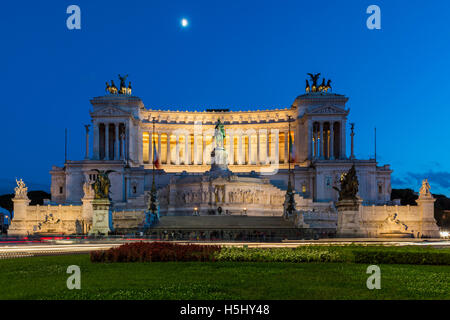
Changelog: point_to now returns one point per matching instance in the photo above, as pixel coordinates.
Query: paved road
(70, 247)
(30, 250)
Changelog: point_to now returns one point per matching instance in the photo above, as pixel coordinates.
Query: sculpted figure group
(102, 184)
(324, 87)
(349, 185)
(123, 89)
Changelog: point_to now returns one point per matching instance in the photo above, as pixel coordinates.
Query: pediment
(110, 111)
(328, 109)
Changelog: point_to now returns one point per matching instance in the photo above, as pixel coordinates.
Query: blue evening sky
(238, 54)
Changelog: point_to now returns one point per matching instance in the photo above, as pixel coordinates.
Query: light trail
(29, 250)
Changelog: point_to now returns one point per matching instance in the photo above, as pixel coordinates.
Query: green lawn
(45, 278)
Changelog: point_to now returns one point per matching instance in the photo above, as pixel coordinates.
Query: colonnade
(326, 140)
(251, 147)
(109, 141)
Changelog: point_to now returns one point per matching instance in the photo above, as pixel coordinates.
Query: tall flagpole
(65, 145)
(375, 143)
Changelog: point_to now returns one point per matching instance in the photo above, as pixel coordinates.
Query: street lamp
(245, 211)
(195, 211)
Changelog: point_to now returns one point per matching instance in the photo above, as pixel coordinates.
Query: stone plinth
(349, 219)
(19, 225)
(100, 217)
(219, 158)
(428, 227)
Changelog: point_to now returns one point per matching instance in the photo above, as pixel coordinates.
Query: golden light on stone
(311, 131)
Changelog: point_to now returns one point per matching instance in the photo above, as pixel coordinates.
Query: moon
(184, 22)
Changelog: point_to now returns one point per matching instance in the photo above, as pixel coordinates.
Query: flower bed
(155, 251)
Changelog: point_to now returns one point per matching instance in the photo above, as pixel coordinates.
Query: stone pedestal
(219, 159)
(87, 213)
(428, 226)
(349, 219)
(19, 226)
(100, 217)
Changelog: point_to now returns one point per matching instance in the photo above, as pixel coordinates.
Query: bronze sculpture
(123, 87)
(113, 88)
(323, 87)
(349, 185)
(328, 86)
(102, 184)
(129, 89)
(219, 134)
(314, 78)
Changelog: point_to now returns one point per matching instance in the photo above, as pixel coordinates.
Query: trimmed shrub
(301, 254)
(401, 257)
(155, 251)
(166, 251)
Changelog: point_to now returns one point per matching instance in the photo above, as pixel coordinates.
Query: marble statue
(21, 190)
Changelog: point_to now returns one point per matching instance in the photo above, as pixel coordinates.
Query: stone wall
(49, 219)
(356, 220)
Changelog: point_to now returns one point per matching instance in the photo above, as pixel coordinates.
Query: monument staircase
(246, 227)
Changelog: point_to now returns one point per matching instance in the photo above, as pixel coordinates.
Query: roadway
(64, 247)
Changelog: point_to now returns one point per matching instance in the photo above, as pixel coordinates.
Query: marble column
(258, 148)
(187, 153)
(168, 148)
(249, 147)
(267, 146)
(177, 149)
(310, 140)
(321, 144)
(331, 140)
(122, 146)
(240, 149)
(96, 140)
(106, 141)
(315, 134)
(195, 160)
(204, 156)
(116, 142)
(276, 158)
(127, 142)
(231, 149)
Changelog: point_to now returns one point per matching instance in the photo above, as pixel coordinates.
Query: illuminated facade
(256, 142)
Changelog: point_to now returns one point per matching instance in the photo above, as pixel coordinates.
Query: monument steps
(223, 222)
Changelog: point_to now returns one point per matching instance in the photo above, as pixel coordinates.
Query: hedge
(166, 251)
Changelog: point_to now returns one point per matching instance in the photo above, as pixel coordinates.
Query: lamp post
(153, 194)
(245, 211)
(289, 202)
(196, 211)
